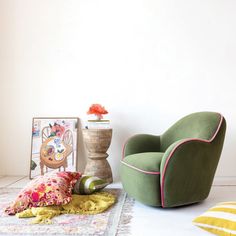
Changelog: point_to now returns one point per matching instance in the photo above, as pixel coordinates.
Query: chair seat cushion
(140, 175)
(146, 161)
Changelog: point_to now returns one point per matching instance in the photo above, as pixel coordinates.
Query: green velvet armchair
(176, 168)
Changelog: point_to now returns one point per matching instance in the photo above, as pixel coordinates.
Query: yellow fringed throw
(80, 204)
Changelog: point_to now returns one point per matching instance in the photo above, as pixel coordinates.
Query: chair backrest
(45, 133)
(202, 125)
(68, 137)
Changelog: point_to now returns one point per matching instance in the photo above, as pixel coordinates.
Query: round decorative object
(59, 156)
(48, 150)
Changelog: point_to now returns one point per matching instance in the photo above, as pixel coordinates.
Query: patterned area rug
(114, 222)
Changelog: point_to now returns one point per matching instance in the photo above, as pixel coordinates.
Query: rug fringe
(124, 227)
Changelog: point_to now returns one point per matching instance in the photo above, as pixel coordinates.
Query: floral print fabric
(46, 190)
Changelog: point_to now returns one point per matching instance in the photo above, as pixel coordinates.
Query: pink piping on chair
(143, 171)
(179, 145)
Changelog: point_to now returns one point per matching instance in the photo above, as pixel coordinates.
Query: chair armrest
(187, 171)
(141, 143)
(170, 151)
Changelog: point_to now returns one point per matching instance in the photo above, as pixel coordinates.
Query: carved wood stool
(97, 141)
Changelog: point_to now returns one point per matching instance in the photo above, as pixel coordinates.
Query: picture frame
(54, 145)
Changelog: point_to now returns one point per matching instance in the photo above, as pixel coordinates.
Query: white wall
(149, 62)
(3, 78)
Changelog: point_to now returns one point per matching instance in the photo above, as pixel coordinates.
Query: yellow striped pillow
(219, 220)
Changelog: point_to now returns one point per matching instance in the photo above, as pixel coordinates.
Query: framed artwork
(53, 145)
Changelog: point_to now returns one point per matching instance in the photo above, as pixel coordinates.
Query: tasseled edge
(80, 204)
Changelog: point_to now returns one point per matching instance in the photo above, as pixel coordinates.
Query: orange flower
(98, 110)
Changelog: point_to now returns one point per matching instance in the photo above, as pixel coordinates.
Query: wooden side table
(97, 141)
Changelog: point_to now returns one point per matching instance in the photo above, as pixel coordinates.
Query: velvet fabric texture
(176, 168)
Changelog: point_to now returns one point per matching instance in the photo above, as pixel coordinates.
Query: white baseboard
(224, 181)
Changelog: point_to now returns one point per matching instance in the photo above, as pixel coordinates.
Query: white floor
(157, 221)
(177, 221)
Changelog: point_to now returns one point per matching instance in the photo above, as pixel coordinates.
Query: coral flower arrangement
(97, 110)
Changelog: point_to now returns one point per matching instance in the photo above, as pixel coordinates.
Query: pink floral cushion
(49, 189)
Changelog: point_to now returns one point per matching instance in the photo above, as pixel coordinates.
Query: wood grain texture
(97, 142)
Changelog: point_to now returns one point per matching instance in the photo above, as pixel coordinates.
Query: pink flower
(58, 134)
(41, 188)
(35, 196)
(54, 129)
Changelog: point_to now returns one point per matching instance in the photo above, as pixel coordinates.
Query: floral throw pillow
(49, 189)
